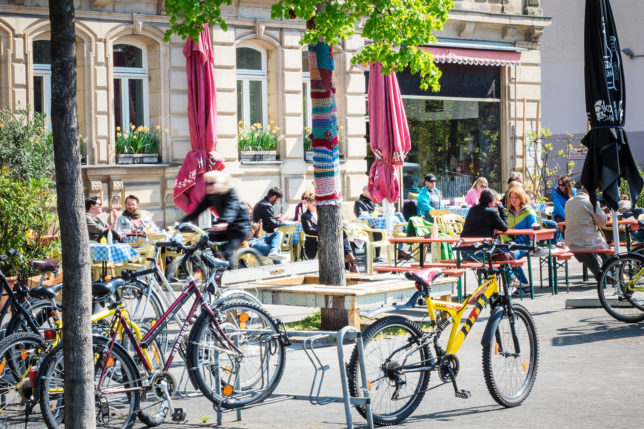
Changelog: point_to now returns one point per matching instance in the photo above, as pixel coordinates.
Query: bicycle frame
(13, 304)
(481, 297)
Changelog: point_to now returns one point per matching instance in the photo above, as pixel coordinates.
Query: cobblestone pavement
(590, 368)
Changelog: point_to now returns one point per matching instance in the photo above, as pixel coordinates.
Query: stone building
(127, 74)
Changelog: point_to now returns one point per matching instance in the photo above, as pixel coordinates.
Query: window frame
(246, 76)
(307, 120)
(42, 70)
(125, 74)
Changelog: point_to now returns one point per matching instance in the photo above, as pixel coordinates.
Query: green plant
(256, 137)
(205, 419)
(306, 139)
(624, 190)
(26, 145)
(138, 140)
(28, 220)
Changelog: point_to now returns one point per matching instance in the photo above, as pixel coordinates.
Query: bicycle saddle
(46, 292)
(45, 265)
(100, 289)
(425, 276)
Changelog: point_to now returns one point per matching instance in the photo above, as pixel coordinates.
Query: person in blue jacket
(429, 198)
(560, 195)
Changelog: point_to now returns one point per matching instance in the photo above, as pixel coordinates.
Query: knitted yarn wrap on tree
(326, 154)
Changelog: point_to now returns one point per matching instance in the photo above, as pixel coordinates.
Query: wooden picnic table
(629, 225)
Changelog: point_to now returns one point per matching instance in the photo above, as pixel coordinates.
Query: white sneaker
(540, 252)
(276, 255)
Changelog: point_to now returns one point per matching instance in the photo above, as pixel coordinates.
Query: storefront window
(130, 86)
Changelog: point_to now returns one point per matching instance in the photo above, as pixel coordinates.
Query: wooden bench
(609, 251)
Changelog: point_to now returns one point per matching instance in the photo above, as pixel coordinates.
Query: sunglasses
(210, 183)
(483, 186)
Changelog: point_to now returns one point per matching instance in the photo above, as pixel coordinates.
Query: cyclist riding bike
(232, 224)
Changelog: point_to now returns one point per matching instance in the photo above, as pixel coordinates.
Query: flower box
(137, 158)
(258, 155)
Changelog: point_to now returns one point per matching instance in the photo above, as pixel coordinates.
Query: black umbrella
(609, 156)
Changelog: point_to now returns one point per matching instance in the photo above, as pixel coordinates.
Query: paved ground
(590, 370)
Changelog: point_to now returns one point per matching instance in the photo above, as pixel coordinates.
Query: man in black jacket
(264, 211)
(363, 205)
(485, 217)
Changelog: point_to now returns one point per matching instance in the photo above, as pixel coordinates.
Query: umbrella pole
(615, 232)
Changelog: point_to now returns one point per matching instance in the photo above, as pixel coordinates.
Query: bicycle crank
(448, 361)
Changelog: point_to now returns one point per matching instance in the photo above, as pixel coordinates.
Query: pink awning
(475, 57)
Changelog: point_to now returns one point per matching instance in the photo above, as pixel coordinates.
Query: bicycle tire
(41, 312)
(613, 289)
(247, 258)
(120, 369)
(141, 307)
(385, 339)
(509, 378)
(18, 352)
(251, 381)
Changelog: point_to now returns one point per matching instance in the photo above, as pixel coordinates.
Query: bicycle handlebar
(10, 254)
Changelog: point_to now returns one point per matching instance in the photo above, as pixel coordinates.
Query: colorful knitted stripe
(326, 153)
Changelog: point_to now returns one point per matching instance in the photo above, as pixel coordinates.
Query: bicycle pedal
(463, 394)
(179, 415)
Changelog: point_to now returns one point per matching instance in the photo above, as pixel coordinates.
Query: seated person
(430, 198)
(364, 206)
(132, 220)
(582, 220)
(96, 228)
(268, 244)
(484, 219)
(264, 211)
(310, 227)
(232, 225)
(301, 206)
(410, 190)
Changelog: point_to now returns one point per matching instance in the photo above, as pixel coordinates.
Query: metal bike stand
(314, 396)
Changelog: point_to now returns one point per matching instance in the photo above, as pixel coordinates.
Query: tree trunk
(326, 165)
(77, 298)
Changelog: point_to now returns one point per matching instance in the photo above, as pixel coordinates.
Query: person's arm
(230, 208)
(599, 217)
(559, 204)
(357, 208)
(270, 223)
(500, 219)
(440, 200)
(471, 199)
(93, 228)
(422, 202)
(203, 205)
(308, 226)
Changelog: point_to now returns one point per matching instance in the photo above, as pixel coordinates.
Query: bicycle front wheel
(226, 377)
(621, 287)
(394, 357)
(116, 403)
(19, 353)
(509, 371)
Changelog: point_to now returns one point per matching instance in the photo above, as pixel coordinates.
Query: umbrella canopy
(609, 155)
(202, 117)
(388, 133)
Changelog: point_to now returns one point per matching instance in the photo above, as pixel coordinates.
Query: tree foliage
(394, 29)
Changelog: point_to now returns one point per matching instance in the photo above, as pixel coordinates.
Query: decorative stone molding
(534, 34)
(168, 195)
(96, 188)
(509, 33)
(467, 30)
(533, 8)
(259, 28)
(98, 4)
(116, 185)
(138, 21)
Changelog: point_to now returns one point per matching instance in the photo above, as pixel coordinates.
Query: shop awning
(476, 57)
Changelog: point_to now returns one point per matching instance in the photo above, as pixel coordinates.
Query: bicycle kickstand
(459, 393)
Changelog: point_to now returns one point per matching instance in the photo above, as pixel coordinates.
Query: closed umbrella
(202, 119)
(609, 156)
(388, 133)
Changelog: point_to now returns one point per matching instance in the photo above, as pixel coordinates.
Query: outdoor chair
(372, 244)
(289, 232)
(453, 223)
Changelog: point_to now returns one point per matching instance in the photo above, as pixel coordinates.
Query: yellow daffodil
(132, 127)
(277, 128)
(134, 136)
(85, 140)
(118, 134)
(158, 127)
(166, 130)
(1, 125)
(118, 128)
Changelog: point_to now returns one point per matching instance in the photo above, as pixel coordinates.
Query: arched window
(252, 95)
(130, 86)
(42, 77)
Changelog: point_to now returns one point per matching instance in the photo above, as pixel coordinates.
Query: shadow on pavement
(596, 330)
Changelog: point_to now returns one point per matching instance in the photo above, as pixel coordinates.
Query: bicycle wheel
(141, 302)
(19, 352)
(247, 258)
(227, 378)
(392, 350)
(45, 314)
(116, 407)
(509, 375)
(621, 287)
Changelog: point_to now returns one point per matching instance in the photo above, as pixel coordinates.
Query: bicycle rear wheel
(44, 313)
(392, 350)
(18, 353)
(510, 375)
(115, 406)
(621, 287)
(224, 377)
(247, 258)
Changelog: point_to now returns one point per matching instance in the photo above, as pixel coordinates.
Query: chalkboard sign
(361, 257)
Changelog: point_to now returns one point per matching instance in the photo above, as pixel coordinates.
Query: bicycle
(618, 289)
(398, 357)
(235, 356)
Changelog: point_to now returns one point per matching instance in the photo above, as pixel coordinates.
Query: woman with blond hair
(232, 224)
(472, 197)
(301, 206)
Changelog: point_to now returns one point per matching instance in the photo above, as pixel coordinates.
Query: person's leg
(230, 248)
(260, 245)
(559, 235)
(275, 239)
(518, 271)
(590, 260)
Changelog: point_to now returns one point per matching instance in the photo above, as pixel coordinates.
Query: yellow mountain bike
(398, 353)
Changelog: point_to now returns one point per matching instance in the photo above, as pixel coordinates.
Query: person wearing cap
(429, 198)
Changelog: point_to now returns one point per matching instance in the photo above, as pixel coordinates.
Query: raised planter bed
(138, 158)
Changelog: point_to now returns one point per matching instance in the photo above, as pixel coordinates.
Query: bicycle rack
(314, 396)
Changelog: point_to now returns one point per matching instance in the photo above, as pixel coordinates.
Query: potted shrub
(138, 145)
(257, 143)
(307, 142)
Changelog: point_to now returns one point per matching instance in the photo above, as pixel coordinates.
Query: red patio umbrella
(202, 117)
(388, 133)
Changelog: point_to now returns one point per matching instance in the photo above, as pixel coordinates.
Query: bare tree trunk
(77, 299)
(330, 252)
